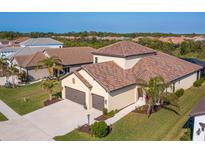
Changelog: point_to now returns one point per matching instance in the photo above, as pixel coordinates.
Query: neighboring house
(115, 79)
(8, 51)
(198, 113)
(42, 42)
(71, 58)
(198, 62)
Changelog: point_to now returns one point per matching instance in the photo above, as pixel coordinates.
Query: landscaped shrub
(198, 83)
(112, 113)
(99, 129)
(186, 136)
(179, 92)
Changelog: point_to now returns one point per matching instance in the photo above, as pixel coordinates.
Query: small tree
(49, 86)
(51, 63)
(156, 92)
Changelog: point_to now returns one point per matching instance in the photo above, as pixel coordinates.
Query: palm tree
(49, 86)
(3, 65)
(51, 63)
(157, 95)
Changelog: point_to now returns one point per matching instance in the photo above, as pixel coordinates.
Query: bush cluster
(198, 83)
(179, 92)
(100, 129)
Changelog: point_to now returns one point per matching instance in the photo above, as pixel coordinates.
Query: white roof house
(7, 51)
(42, 42)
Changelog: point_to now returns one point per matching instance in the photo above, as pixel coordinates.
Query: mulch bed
(101, 118)
(145, 107)
(85, 129)
(54, 100)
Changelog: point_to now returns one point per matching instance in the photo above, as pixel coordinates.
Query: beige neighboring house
(114, 81)
(72, 58)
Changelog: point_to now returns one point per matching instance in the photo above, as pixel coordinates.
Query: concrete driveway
(46, 123)
(61, 118)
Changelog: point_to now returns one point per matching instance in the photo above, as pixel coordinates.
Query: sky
(104, 22)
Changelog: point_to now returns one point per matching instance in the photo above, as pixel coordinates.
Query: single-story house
(71, 58)
(114, 81)
(42, 42)
(198, 113)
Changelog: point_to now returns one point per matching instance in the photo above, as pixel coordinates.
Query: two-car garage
(80, 98)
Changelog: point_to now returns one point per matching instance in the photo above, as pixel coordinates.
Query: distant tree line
(186, 48)
(12, 35)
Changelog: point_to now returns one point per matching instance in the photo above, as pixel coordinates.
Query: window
(96, 59)
(73, 80)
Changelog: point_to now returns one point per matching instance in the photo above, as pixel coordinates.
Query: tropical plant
(12, 72)
(23, 76)
(49, 86)
(3, 65)
(51, 63)
(156, 93)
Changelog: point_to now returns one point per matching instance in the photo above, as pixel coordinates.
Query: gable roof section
(29, 60)
(87, 84)
(199, 109)
(40, 41)
(167, 66)
(109, 75)
(124, 49)
(72, 55)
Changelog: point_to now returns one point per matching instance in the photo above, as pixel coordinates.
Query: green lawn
(2, 117)
(163, 125)
(25, 99)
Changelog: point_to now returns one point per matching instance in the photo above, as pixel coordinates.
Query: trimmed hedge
(179, 92)
(100, 129)
(198, 83)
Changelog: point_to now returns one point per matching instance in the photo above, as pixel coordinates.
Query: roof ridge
(31, 58)
(122, 49)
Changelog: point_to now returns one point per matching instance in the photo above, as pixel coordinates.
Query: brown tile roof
(30, 60)
(87, 84)
(199, 109)
(124, 49)
(72, 55)
(167, 66)
(109, 75)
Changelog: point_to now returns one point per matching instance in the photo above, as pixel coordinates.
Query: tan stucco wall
(125, 63)
(96, 87)
(122, 98)
(36, 74)
(120, 61)
(186, 82)
(131, 61)
(79, 85)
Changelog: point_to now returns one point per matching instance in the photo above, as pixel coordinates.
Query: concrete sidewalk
(8, 112)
